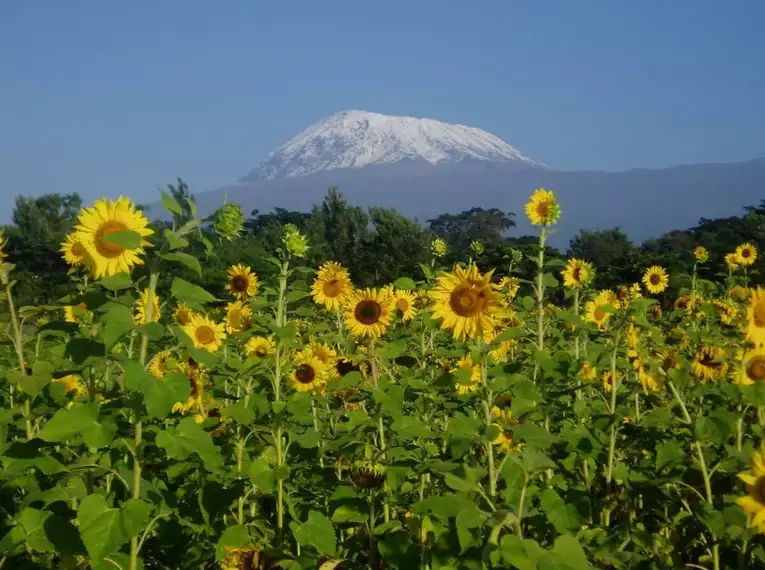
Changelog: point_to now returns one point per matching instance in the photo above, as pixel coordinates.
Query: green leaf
(174, 241)
(234, 537)
(309, 439)
(69, 422)
(117, 282)
(189, 438)
(185, 259)
(549, 280)
(569, 550)
(521, 554)
(563, 517)
(668, 453)
(317, 531)
(262, 475)
(124, 238)
(468, 518)
(33, 523)
(189, 293)
(119, 322)
(534, 434)
(104, 530)
(405, 283)
(296, 296)
(81, 349)
(350, 513)
(459, 484)
(170, 204)
(239, 413)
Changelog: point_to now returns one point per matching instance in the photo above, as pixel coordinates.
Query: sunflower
(243, 558)
(739, 293)
(73, 251)
(588, 372)
(438, 247)
(75, 313)
(669, 360)
(607, 378)
(577, 273)
(542, 209)
(331, 286)
(732, 261)
(752, 367)
(650, 381)
(753, 503)
(72, 383)
(205, 333)
(368, 313)
(258, 346)
(142, 306)
(196, 373)
(510, 286)
(466, 363)
(242, 282)
(158, 364)
(727, 311)
(466, 302)
(655, 279)
(238, 317)
(700, 254)
(182, 314)
(746, 254)
(504, 440)
(707, 363)
(309, 373)
(105, 218)
(404, 301)
(755, 330)
(595, 310)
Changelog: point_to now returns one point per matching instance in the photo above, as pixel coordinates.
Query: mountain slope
(355, 139)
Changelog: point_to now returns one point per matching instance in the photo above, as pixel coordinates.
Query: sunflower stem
(18, 346)
(614, 430)
(488, 421)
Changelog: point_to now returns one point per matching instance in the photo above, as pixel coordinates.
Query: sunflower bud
(367, 474)
(701, 254)
(295, 242)
(476, 247)
(516, 255)
(438, 247)
(229, 221)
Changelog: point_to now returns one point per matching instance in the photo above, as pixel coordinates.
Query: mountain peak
(354, 139)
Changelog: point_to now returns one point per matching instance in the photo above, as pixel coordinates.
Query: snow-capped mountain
(354, 139)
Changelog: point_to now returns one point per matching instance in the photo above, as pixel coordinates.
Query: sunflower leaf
(126, 238)
(170, 204)
(184, 258)
(117, 282)
(190, 293)
(405, 283)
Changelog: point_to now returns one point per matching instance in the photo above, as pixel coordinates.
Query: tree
(459, 230)
(185, 200)
(394, 247)
(46, 218)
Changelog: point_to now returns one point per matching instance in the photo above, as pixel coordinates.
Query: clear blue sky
(121, 97)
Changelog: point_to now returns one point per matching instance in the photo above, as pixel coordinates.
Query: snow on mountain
(353, 139)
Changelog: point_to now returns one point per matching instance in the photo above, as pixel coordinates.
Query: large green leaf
(189, 438)
(104, 529)
(70, 422)
(159, 394)
(564, 517)
(124, 238)
(318, 532)
(185, 259)
(189, 293)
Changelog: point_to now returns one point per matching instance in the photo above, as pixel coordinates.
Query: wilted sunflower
(242, 282)
(158, 364)
(368, 313)
(331, 286)
(405, 304)
(755, 330)
(542, 209)
(196, 373)
(752, 367)
(732, 261)
(205, 333)
(438, 247)
(238, 317)
(182, 314)
(466, 363)
(244, 558)
(142, 307)
(309, 373)
(655, 279)
(727, 311)
(259, 347)
(105, 218)
(708, 363)
(595, 310)
(701, 254)
(753, 503)
(577, 273)
(75, 313)
(588, 372)
(466, 302)
(746, 254)
(73, 251)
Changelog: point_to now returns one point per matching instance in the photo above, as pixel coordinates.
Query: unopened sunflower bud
(438, 247)
(517, 256)
(295, 242)
(229, 221)
(476, 247)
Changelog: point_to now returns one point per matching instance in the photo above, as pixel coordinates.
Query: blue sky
(105, 98)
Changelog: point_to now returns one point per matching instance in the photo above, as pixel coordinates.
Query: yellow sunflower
(701, 254)
(72, 383)
(242, 282)
(439, 247)
(331, 286)
(732, 261)
(368, 313)
(509, 286)
(466, 363)
(309, 374)
(746, 254)
(588, 372)
(142, 307)
(243, 558)
(75, 313)
(607, 379)
(739, 293)
(752, 367)
(182, 314)
(158, 364)
(73, 251)
(753, 504)
(727, 311)
(708, 363)
(595, 310)
(755, 330)
(650, 381)
(259, 346)
(577, 273)
(238, 317)
(328, 357)
(405, 304)
(542, 209)
(205, 333)
(466, 302)
(655, 279)
(105, 218)
(196, 373)
(504, 440)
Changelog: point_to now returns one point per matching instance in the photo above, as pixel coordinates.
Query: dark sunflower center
(205, 334)
(576, 274)
(107, 248)
(402, 305)
(758, 490)
(755, 368)
(195, 386)
(239, 283)
(77, 249)
(655, 279)
(600, 313)
(368, 312)
(543, 209)
(466, 301)
(183, 317)
(746, 253)
(305, 374)
(261, 351)
(759, 314)
(708, 359)
(332, 288)
(343, 367)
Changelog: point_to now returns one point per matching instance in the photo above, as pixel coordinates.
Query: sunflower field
(466, 417)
